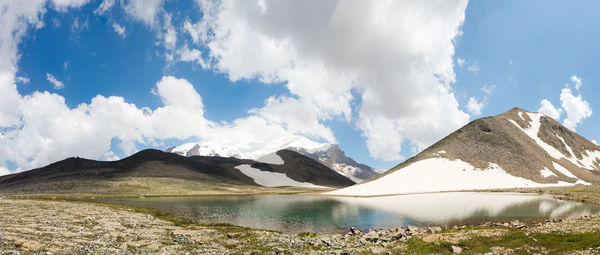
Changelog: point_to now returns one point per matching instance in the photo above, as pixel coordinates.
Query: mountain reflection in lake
(296, 213)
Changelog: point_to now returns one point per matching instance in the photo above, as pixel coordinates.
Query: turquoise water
(297, 213)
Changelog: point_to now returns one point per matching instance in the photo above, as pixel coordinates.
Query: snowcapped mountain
(513, 149)
(330, 155)
(242, 150)
(334, 157)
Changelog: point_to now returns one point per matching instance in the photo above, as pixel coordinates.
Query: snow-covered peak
(245, 150)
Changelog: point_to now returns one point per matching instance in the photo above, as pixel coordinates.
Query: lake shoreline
(85, 227)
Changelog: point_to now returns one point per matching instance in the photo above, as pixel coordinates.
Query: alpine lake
(327, 214)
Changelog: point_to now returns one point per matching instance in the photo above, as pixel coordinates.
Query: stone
(456, 249)
(372, 236)
(277, 250)
(435, 229)
(355, 231)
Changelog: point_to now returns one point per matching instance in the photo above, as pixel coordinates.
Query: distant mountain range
(157, 172)
(513, 149)
(330, 155)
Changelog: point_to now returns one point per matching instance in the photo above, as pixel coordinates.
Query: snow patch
(563, 170)
(247, 151)
(547, 173)
(271, 158)
(589, 158)
(533, 131)
(272, 179)
(441, 174)
(348, 171)
(521, 115)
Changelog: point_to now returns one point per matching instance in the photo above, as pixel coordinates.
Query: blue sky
(328, 77)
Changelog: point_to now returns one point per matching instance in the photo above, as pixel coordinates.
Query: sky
(384, 79)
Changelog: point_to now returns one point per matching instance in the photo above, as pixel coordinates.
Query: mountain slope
(513, 149)
(331, 155)
(334, 157)
(157, 171)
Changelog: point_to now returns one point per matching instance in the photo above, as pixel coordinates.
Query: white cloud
(460, 62)
(104, 7)
(577, 81)
(55, 82)
(143, 10)
(594, 141)
(193, 55)
(549, 110)
(66, 65)
(23, 80)
(474, 68)
(488, 89)
(62, 5)
(474, 107)
(4, 171)
(403, 77)
(576, 108)
(48, 130)
(119, 29)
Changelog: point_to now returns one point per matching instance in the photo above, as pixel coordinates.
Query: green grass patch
(517, 240)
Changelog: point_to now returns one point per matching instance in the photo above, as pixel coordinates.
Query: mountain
(513, 149)
(330, 155)
(334, 157)
(156, 172)
(242, 150)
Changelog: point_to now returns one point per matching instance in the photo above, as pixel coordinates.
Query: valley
(517, 182)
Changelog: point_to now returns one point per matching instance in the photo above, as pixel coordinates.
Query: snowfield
(441, 174)
(271, 158)
(547, 173)
(272, 179)
(532, 131)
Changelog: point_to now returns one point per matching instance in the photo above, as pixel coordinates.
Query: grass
(516, 240)
(152, 187)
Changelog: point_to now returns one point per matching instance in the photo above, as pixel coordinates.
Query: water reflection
(290, 213)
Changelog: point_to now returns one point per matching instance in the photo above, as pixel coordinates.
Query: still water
(297, 213)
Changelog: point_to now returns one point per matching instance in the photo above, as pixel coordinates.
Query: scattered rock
(277, 250)
(355, 231)
(456, 249)
(434, 229)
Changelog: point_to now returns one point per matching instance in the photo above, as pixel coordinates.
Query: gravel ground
(60, 227)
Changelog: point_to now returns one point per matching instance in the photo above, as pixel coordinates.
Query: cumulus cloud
(119, 29)
(403, 77)
(575, 107)
(577, 81)
(62, 5)
(49, 130)
(4, 171)
(55, 82)
(23, 80)
(143, 10)
(474, 107)
(396, 90)
(594, 141)
(104, 7)
(191, 55)
(549, 110)
(460, 62)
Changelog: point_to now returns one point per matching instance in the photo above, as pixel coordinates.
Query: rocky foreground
(59, 227)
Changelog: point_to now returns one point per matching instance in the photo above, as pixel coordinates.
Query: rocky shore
(59, 227)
